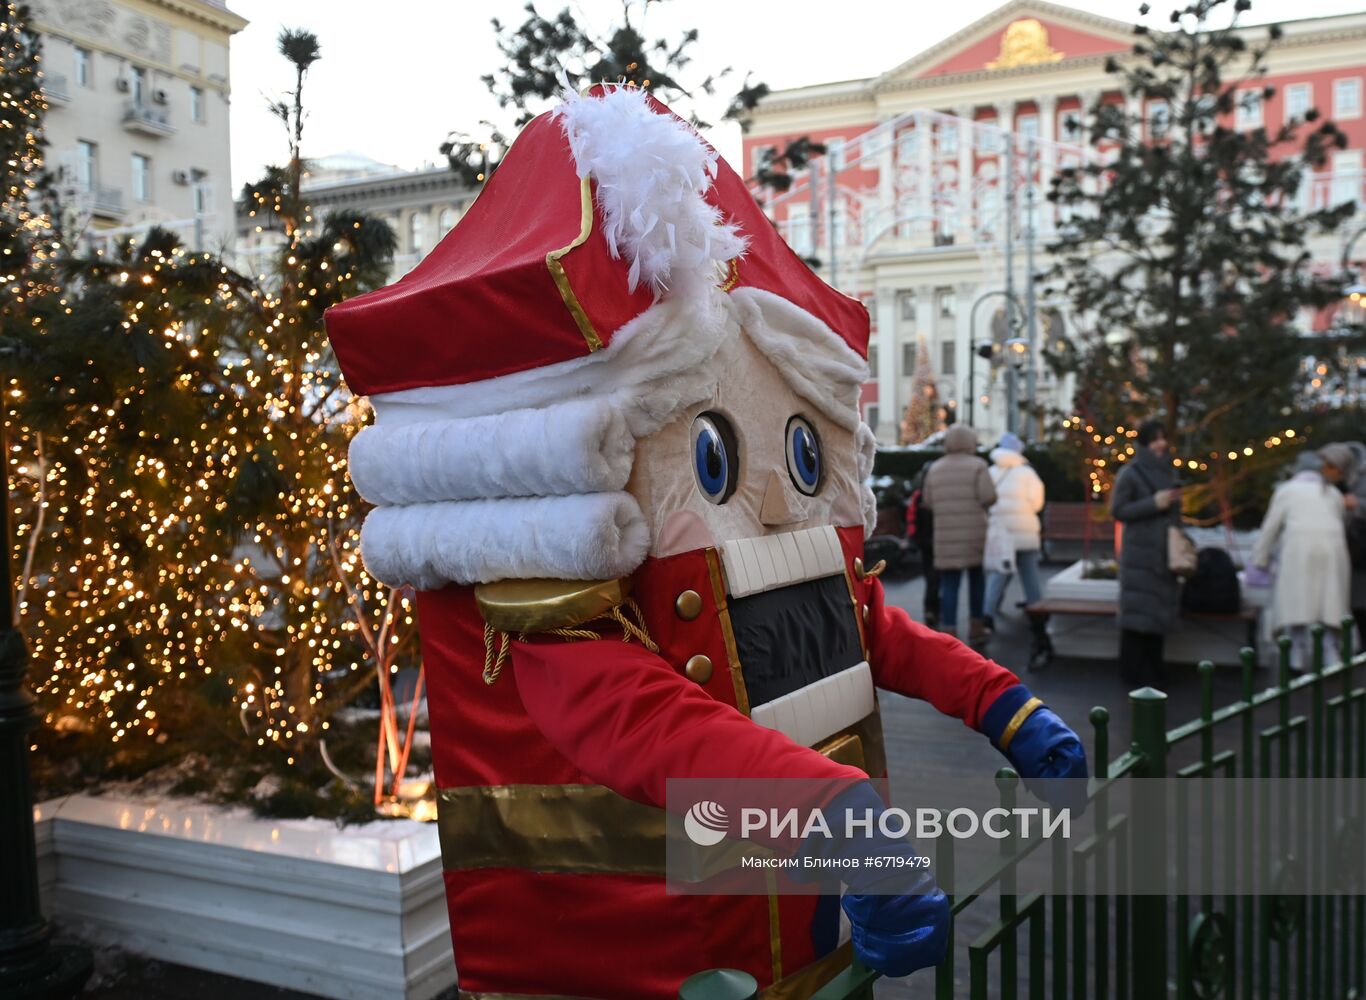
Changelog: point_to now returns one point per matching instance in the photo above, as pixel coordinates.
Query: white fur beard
(599, 536)
(582, 446)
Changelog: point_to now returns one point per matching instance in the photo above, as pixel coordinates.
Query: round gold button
(688, 605)
(698, 668)
(858, 567)
(865, 612)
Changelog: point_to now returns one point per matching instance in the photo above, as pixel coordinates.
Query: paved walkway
(922, 745)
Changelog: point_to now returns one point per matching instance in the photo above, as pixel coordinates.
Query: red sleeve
(915, 660)
(626, 719)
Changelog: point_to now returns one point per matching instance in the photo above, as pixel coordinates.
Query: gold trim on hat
(556, 269)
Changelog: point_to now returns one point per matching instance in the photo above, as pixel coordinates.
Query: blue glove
(1044, 750)
(899, 918)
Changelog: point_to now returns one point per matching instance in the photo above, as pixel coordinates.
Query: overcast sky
(395, 77)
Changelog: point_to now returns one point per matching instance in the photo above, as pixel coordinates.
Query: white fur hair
(594, 536)
(652, 173)
(579, 446)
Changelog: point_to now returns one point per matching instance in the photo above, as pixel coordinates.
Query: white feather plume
(652, 173)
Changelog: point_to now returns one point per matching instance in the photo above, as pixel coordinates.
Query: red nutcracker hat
(582, 300)
(597, 211)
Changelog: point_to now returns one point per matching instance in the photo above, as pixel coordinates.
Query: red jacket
(553, 782)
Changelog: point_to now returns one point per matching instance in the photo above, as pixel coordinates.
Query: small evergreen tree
(1184, 253)
(921, 417)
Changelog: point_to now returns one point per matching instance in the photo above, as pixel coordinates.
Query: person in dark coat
(1146, 500)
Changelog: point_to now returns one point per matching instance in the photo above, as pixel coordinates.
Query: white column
(886, 181)
(1048, 163)
(924, 169)
(888, 368)
(965, 179)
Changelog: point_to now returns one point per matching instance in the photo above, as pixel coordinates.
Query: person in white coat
(1013, 529)
(1305, 528)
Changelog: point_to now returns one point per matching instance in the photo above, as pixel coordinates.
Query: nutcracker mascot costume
(617, 451)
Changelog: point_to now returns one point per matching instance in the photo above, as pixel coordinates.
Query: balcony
(106, 202)
(146, 120)
(55, 89)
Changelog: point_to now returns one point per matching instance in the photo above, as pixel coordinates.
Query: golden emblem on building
(1025, 43)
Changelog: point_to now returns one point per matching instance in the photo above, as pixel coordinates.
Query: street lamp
(1017, 350)
(984, 349)
(30, 966)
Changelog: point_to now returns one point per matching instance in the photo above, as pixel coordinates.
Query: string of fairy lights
(1119, 446)
(210, 547)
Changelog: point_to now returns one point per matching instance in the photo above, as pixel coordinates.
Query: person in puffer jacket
(958, 489)
(1019, 499)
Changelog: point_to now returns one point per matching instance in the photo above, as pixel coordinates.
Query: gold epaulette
(563, 608)
(540, 605)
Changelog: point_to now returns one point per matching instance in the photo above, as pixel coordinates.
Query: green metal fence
(1083, 941)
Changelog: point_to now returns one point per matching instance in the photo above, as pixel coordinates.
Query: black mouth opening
(793, 636)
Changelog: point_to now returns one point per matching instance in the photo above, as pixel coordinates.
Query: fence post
(1150, 946)
(719, 984)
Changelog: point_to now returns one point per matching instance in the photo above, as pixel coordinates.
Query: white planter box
(1070, 585)
(348, 912)
(1091, 637)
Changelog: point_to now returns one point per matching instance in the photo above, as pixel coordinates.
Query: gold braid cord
(632, 627)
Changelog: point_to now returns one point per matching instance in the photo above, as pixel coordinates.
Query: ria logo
(706, 823)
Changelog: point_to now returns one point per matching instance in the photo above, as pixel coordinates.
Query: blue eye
(716, 462)
(803, 455)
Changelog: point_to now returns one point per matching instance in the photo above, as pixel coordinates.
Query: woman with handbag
(1146, 500)
(1305, 525)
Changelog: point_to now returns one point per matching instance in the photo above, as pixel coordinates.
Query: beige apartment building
(933, 193)
(138, 123)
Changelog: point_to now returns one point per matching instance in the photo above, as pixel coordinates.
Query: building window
(417, 231)
(1347, 98)
(446, 220)
(948, 352)
(1347, 177)
(1027, 126)
(872, 362)
(137, 84)
(196, 104)
(87, 164)
(142, 177)
(1069, 125)
(908, 307)
(202, 193)
(907, 360)
(799, 229)
(1299, 97)
(870, 415)
(908, 144)
(948, 138)
(758, 159)
(948, 303)
(1159, 119)
(82, 57)
(1248, 109)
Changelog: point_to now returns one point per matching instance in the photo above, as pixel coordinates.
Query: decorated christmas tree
(921, 417)
(188, 535)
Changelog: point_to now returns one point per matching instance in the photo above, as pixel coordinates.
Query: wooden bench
(1041, 651)
(1077, 522)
